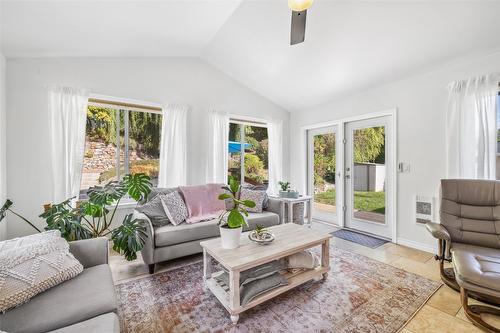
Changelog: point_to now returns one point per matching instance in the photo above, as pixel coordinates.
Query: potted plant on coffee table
(231, 221)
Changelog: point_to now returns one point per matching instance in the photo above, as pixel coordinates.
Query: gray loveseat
(86, 303)
(170, 241)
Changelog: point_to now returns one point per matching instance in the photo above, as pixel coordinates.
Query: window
(248, 152)
(120, 139)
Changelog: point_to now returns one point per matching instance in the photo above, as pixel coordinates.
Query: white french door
(323, 166)
(368, 176)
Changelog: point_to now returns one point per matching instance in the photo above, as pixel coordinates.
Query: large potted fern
(93, 217)
(231, 221)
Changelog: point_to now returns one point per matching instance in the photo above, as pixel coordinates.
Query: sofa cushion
(155, 211)
(185, 232)
(106, 323)
(88, 295)
(265, 219)
(253, 195)
(477, 265)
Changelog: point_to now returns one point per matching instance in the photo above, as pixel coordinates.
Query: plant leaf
(138, 185)
(248, 203)
(224, 196)
(235, 219)
(130, 237)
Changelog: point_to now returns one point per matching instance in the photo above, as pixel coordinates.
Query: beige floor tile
(429, 269)
(446, 300)
(431, 320)
(404, 330)
(409, 253)
(490, 319)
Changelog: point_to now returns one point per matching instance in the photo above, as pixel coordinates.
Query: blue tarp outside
(235, 147)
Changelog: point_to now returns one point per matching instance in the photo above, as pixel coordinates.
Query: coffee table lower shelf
(294, 280)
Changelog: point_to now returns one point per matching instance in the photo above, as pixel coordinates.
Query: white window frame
(125, 105)
(243, 121)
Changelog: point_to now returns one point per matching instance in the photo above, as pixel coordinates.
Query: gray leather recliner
(469, 237)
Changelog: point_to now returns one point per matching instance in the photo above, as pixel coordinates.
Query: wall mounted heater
(424, 209)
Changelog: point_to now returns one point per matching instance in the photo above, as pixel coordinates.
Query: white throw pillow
(33, 265)
(174, 207)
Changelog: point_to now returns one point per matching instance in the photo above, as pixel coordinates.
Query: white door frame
(392, 213)
(311, 133)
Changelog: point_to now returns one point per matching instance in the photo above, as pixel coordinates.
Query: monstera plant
(93, 218)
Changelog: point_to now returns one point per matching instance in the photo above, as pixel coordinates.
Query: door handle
(347, 176)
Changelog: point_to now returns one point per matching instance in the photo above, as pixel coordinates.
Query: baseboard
(417, 245)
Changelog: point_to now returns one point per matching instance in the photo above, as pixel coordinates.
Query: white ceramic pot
(230, 238)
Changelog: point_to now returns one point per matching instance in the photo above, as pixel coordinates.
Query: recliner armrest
(438, 231)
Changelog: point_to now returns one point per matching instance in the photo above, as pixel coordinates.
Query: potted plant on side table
(231, 221)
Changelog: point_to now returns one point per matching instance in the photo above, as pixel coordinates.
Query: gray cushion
(255, 288)
(107, 323)
(477, 265)
(155, 211)
(265, 219)
(161, 190)
(470, 211)
(88, 295)
(185, 232)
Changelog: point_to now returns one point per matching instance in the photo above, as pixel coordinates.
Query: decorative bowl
(264, 239)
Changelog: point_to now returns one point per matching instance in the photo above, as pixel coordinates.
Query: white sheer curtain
(217, 147)
(471, 127)
(275, 155)
(173, 146)
(67, 118)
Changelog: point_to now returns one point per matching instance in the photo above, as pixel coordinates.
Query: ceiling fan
(299, 14)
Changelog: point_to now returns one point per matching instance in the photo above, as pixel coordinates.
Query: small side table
(306, 199)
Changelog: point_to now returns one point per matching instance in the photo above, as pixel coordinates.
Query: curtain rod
(126, 105)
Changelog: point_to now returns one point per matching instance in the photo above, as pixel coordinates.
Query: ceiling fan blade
(298, 30)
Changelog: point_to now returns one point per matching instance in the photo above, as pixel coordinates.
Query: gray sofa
(85, 303)
(170, 241)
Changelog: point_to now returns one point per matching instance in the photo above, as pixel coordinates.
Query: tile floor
(441, 314)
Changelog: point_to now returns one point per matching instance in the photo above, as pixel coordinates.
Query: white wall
(421, 103)
(175, 80)
(3, 185)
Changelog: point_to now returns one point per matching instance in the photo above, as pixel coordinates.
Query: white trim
(126, 100)
(247, 120)
(417, 245)
(340, 123)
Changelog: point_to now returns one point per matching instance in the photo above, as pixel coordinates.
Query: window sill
(126, 204)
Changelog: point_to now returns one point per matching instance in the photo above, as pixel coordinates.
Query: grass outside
(364, 201)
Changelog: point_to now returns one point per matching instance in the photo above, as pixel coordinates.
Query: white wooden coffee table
(290, 238)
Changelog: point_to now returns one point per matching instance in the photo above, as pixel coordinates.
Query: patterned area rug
(359, 238)
(359, 295)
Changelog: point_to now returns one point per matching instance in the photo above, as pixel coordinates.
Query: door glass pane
(324, 174)
(369, 174)
(234, 151)
(144, 143)
(256, 162)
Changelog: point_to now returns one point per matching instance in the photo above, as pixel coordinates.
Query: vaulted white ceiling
(350, 45)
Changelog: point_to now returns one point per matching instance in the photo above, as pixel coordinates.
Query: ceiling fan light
(299, 5)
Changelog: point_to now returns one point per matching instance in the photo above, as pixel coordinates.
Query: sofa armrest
(90, 252)
(438, 231)
(275, 206)
(147, 251)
